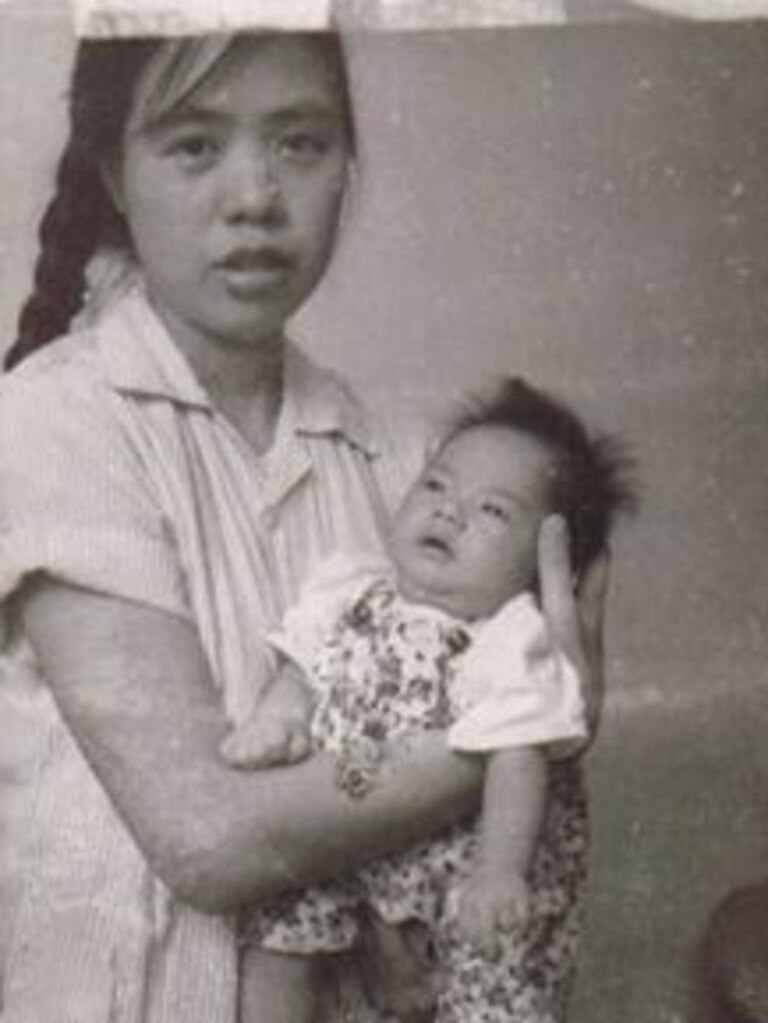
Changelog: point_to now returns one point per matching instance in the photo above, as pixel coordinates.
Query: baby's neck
(449, 603)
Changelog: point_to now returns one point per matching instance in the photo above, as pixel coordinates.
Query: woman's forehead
(275, 71)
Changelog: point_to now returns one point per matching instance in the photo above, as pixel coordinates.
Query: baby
(446, 633)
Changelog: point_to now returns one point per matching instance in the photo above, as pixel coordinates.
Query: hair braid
(79, 218)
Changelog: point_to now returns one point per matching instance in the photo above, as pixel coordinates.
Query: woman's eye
(193, 150)
(303, 146)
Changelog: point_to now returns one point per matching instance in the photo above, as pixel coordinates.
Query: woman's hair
(594, 476)
(82, 218)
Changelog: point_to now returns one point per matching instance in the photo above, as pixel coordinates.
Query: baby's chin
(452, 603)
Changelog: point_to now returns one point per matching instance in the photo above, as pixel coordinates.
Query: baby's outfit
(382, 667)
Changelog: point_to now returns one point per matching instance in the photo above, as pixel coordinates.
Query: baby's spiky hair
(594, 478)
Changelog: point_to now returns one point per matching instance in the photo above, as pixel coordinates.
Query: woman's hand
(575, 616)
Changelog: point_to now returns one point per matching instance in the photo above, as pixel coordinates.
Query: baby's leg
(278, 987)
(478, 989)
(524, 983)
(397, 966)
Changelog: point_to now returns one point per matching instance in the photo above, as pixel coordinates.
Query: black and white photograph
(383, 511)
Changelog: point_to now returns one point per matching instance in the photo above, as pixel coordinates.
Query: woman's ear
(111, 178)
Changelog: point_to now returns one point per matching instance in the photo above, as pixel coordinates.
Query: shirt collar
(317, 401)
(141, 359)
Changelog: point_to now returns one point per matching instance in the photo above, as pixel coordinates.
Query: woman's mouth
(249, 272)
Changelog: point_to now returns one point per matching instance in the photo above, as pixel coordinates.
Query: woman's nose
(252, 185)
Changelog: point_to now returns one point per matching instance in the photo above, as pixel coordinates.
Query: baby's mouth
(436, 545)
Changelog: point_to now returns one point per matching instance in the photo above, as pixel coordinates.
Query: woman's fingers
(592, 595)
(593, 592)
(556, 582)
(575, 618)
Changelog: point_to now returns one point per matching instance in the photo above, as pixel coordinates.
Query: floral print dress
(386, 670)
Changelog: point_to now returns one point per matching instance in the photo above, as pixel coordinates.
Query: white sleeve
(517, 687)
(323, 598)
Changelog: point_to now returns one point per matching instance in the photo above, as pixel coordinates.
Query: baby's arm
(277, 730)
(494, 899)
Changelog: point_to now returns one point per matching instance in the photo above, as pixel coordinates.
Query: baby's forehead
(495, 442)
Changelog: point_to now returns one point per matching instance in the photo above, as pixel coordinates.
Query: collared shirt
(117, 474)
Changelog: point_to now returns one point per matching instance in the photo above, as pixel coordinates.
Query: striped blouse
(118, 475)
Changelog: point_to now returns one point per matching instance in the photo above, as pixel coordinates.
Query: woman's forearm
(307, 829)
(134, 688)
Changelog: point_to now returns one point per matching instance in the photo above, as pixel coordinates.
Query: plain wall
(585, 206)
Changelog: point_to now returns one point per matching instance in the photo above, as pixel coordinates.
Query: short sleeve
(76, 500)
(516, 687)
(327, 593)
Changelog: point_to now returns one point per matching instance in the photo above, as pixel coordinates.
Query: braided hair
(81, 217)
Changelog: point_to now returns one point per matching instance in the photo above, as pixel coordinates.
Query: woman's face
(232, 197)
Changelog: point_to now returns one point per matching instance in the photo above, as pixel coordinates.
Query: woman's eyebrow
(182, 117)
(305, 110)
(209, 115)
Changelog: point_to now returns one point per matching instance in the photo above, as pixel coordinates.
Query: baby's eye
(433, 484)
(495, 511)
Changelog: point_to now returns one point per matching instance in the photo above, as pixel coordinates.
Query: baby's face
(465, 537)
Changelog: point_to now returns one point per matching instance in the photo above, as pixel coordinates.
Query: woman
(168, 477)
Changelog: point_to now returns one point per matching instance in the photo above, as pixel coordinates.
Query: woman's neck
(244, 380)
(250, 400)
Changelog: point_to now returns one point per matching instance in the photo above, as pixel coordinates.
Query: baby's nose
(451, 511)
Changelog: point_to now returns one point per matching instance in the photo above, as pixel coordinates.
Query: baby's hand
(491, 906)
(277, 732)
(398, 967)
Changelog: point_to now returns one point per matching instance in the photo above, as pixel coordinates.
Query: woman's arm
(133, 685)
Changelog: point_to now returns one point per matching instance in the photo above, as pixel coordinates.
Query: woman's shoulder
(56, 396)
(383, 411)
(403, 435)
(328, 400)
(70, 361)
